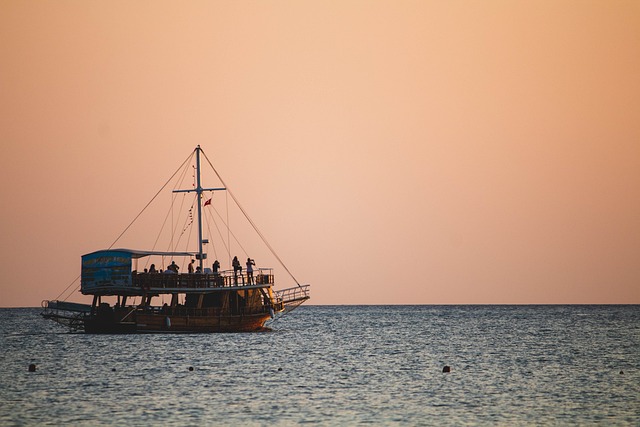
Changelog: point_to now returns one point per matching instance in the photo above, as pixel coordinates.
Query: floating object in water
(446, 369)
(191, 368)
(279, 369)
(32, 367)
(113, 369)
(621, 372)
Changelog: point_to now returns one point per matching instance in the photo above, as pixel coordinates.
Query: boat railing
(56, 305)
(224, 279)
(292, 295)
(66, 313)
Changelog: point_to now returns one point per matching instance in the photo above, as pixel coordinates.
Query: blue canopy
(111, 268)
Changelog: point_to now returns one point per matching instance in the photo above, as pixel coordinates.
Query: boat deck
(165, 283)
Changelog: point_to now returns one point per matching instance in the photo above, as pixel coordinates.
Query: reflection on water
(339, 365)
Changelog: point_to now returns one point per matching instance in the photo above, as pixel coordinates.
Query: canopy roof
(140, 254)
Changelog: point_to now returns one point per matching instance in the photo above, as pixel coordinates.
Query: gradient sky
(393, 152)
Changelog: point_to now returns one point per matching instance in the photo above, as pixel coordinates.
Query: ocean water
(335, 365)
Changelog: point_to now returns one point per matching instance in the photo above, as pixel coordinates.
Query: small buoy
(191, 368)
(621, 372)
(446, 369)
(113, 369)
(279, 369)
(32, 367)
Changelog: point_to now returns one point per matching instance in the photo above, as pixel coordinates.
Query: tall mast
(199, 198)
(199, 190)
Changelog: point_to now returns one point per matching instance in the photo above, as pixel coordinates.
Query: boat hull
(227, 323)
(155, 323)
(99, 326)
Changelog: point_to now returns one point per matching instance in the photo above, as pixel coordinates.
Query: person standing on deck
(217, 279)
(190, 267)
(173, 267)
(236, 267)
(250, 264)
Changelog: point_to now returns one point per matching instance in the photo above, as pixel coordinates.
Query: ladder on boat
(68, 314)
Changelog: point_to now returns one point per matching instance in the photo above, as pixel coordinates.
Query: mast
(199, 198)
(199, 190)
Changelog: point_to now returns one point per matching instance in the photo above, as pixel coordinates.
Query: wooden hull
(159, 323)
(99, 326)
(222, 323)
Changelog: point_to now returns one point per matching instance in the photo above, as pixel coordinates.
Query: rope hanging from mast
(150, 201)
(249, 219)
(130, 224)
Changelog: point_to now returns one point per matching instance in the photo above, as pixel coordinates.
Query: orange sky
(394, 152)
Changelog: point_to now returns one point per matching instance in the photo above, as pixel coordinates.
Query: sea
(335, 365)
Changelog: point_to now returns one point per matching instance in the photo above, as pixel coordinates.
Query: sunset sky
(393, 152)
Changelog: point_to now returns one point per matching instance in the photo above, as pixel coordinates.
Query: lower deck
(221, 310)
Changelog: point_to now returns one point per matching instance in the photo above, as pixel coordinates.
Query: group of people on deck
(171, 269)
(237, 267)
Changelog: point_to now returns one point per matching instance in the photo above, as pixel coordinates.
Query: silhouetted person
(173, 267)
(250, 264)
(236, 267)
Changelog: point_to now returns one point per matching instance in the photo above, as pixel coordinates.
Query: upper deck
(158, 283)
(110, 273)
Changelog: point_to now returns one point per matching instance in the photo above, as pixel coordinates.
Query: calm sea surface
(335, 365)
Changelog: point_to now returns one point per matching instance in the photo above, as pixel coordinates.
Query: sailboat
(163, 300)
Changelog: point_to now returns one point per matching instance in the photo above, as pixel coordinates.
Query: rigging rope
(172, 246)
(249, 219)
(151, 201)
(134, 220)
(189, 226)
(67, 288)
(229, 231)
(153, 248)
(206, 215)
(226, 204)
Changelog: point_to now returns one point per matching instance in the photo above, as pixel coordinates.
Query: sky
(392, 152)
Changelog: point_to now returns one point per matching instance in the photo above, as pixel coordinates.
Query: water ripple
(335, 366)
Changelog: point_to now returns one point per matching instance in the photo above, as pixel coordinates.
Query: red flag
(208, 202)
